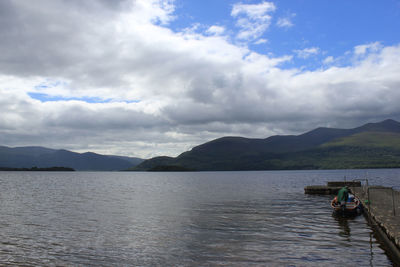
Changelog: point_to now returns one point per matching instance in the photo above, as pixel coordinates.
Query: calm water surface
(181, 219)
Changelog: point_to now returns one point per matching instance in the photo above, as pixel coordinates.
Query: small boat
(353, 205)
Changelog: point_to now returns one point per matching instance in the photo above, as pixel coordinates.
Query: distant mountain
(134, 161)
(373, 145)
(28, 157)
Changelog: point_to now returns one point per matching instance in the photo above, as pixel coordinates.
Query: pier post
(394, 207)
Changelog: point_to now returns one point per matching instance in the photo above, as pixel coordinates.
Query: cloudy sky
(157, 77)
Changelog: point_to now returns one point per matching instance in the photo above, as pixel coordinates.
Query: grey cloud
(116, 119)
(78, 126)
(50, 38)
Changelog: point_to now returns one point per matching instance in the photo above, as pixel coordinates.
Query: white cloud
(192, 87)
(156, 11)
(252, 19)
(284, 22)
(261, 41)
(254, 11)
(307, 52)
(328, 60)
(215, 30)
(363, 49)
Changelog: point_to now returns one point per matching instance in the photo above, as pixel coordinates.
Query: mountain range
(41, 157)
(373, 145)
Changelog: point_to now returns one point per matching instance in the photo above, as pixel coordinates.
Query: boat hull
(350, 207)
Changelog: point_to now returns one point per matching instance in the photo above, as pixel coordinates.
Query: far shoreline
(49, 169)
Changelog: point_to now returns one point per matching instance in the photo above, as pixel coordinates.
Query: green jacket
(343, 194)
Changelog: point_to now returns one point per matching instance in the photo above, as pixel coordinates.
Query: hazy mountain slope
(134, 161)
(27, 157)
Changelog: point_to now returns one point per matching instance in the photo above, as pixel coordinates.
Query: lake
(182, 219)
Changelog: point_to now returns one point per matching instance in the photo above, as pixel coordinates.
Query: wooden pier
(381, 205)
(331, 188)
(382, 208)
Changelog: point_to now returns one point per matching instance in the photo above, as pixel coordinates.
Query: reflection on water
(345, 233)
(344, 225)
(147, 219)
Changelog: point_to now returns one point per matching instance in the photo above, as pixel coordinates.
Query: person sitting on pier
(343, 196)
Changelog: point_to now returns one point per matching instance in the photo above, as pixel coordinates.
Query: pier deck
(331, 188)
(382, 205)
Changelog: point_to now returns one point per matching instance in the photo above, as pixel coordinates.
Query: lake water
(181, 219)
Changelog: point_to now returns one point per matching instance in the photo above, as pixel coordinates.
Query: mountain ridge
(372, 145)
(283, 152)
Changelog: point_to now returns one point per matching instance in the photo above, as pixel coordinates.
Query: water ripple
(177, 219)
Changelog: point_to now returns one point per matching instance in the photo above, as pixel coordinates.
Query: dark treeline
(57, 169)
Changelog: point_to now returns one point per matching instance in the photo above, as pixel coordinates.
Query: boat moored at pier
(352, 205)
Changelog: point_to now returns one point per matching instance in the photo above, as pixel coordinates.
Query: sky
(146, 78)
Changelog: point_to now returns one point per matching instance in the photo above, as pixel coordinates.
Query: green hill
(368, 139)
(373, 145)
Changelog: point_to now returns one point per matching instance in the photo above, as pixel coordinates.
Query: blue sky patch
(332, 27)
(49, 84)
(50, 98)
